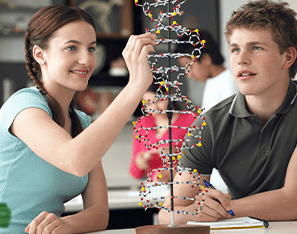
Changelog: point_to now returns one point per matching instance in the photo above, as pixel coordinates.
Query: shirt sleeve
(196, 157)
(186, 120)
(136, 149)
(21, 100)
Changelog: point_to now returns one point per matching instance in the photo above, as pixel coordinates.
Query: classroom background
(110, 76)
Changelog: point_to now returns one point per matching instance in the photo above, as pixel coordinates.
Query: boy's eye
(257, 48)
(234, 50)
(71, 48)
(92, 49)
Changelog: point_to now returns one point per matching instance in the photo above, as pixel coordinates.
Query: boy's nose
(243, 58)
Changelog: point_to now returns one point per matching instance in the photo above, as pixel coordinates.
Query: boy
(251, 136)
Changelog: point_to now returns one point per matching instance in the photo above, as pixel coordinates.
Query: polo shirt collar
(289, 100)
(238, 107)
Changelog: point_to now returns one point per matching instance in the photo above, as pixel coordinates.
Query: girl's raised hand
(135, 55)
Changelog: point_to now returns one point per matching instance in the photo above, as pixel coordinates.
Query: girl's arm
(94, 217)
(79, 155)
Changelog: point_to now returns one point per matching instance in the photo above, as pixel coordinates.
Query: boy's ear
(290, 57)
(38, 55)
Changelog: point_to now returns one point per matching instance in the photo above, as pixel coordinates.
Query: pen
(209, 185)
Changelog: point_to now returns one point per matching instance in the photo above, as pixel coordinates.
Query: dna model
(169, 90)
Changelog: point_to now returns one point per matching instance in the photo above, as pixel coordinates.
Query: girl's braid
(34, 71)
(32, 66)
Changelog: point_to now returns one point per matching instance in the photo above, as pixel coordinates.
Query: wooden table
(286, 227)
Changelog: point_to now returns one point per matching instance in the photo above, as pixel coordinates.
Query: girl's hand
(135, 55)
(47, 223)
(142, 160)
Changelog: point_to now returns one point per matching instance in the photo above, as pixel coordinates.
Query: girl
(50, 152)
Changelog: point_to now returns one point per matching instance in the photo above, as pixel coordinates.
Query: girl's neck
(61, 94)
(64, 97)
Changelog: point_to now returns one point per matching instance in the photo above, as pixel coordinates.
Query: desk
(286, 227)
(118, 199)
(124, 209)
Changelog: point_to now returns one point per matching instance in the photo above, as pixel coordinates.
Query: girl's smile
(80, 73)
(70, 57)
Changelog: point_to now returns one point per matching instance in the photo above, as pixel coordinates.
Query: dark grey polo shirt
(251, 156)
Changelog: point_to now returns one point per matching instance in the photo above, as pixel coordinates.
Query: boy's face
(256, 62)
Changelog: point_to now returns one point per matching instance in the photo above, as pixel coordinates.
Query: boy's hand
(215, 206)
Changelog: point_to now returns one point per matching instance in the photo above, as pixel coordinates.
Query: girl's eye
(71, 48)
(92, 49)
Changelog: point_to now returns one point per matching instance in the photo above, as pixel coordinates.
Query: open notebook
(235, 223)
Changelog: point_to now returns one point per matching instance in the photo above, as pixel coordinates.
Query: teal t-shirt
(28, 184)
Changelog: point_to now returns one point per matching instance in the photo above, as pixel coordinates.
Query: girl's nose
(85, 58)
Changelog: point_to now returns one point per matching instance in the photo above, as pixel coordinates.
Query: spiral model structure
(169, 90)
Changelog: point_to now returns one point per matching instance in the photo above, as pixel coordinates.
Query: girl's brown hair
(40, 29)
(266, 14)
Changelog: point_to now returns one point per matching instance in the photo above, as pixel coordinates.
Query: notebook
(235, 223)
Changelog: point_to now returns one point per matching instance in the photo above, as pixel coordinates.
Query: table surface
(286, 227)
(117, 199)
(129, 199)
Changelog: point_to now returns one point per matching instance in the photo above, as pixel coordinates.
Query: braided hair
(40, 29)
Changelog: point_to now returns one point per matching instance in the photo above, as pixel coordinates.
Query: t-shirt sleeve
(196, 157)
(26, 98)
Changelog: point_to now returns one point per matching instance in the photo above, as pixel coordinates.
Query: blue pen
(209, 185)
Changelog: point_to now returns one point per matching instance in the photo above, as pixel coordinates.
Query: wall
(13, 48)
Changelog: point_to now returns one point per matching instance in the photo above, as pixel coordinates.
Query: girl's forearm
(94, 141)
(94, 218)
